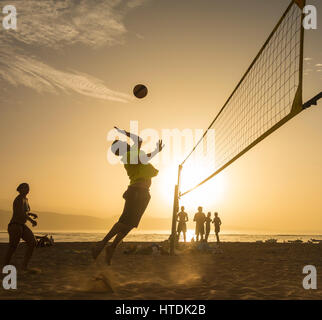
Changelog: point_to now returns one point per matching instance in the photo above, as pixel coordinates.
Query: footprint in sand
(99, 283)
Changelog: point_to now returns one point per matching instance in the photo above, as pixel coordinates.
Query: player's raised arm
(136, 139)
(158, 149)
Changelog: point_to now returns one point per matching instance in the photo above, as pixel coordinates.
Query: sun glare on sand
(206, 195)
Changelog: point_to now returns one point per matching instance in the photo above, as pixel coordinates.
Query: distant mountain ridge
(58, 221)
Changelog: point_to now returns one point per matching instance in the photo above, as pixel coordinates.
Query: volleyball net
(268, 95)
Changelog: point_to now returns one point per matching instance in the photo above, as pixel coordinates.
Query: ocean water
(157, 236)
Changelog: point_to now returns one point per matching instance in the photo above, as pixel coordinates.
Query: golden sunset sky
(66, 78)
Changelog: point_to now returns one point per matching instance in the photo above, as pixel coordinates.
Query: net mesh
(262, 99)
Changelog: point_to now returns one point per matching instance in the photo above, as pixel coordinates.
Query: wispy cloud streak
(41, 77)
(57, 24)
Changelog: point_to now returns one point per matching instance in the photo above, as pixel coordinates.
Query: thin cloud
(44, 78)
(319, 65)
(56, 25)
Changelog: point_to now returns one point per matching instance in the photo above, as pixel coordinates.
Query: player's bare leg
(99, 246)
(10, 251)
(29, 250)
(31, 242)
(109, 251)
(118, 228)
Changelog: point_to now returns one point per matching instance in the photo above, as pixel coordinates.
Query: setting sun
(206, 196)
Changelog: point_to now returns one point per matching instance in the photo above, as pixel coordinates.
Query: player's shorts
(182, 227)
(217, 229)
(200, 229)
(136, 201)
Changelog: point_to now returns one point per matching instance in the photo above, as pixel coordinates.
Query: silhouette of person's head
(216, 214)
(209, 214)
(182, 208)
(199, 209)
(119, 148)
(23, 188)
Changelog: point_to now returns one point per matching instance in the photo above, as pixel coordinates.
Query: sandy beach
(236, 271)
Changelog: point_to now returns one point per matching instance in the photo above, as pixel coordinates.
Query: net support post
(174, 213)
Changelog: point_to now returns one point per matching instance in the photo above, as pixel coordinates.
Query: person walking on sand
(217, 223)
(137, 195)
(17, 228)
(200, 219)
(182, 218)
(208, 221)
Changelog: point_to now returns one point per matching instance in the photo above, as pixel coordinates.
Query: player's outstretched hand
(160, 145)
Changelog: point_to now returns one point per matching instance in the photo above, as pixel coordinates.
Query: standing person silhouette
(182, 218)
(137, 195)
(208, 221)
(217, 223)
(17, 228)
(200, 219)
